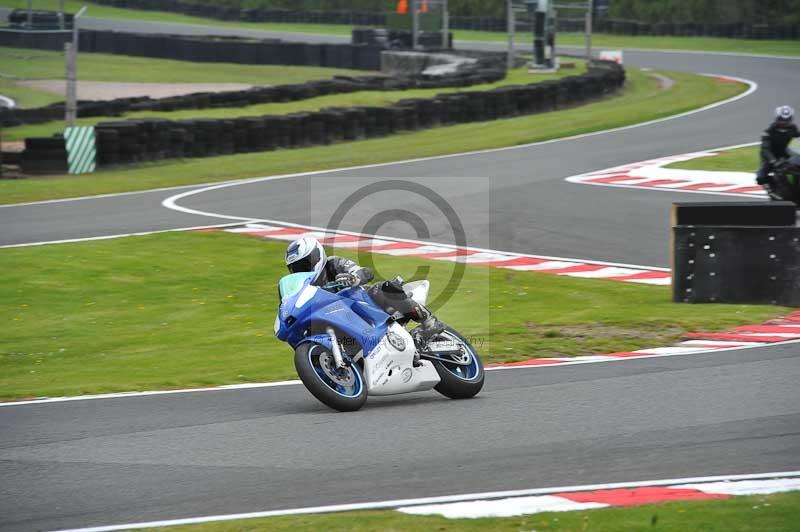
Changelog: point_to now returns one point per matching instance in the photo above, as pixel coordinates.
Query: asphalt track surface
(139, 459)
(160, 457)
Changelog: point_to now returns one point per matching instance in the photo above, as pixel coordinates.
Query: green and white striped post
(81, 150)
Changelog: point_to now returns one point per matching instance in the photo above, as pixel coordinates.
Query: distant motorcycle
(784, 182)
(346, 347)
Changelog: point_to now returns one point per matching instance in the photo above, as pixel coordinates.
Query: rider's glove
(780, 164)
(348, 279)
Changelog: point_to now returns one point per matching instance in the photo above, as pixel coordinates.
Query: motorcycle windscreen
(291, 284)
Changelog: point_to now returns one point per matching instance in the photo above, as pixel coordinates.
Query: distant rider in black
(775, 144)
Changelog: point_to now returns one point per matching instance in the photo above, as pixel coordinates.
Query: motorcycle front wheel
(342, 389)
(459, 381)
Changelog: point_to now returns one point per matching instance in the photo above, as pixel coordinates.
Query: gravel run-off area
(109, 90)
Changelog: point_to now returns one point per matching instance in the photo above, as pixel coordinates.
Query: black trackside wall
(736, 252)
(724, 264)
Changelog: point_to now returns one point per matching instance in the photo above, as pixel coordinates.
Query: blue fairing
(351, 312)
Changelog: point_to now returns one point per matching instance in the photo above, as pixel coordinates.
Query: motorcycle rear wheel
(458, 381)
(342, 389)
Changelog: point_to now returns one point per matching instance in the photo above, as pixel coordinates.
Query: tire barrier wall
(254, 96)
(601, 25)
(46, 155)
(134, 141)
(205, 48)
(755, 262)
(40, 20)
(485, 70)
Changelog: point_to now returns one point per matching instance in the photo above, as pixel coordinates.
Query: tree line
(773, 12)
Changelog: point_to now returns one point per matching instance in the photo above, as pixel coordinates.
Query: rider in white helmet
(775, 143)
(306, 254)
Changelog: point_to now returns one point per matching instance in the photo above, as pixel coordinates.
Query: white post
(30, 14)
(71, 50)
(552, 21)
(414, 25)
(445, 26)
(61, 14)
(512, 26)
(589, 32)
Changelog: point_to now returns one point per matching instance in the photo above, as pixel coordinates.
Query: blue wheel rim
(350, 387)
(469, 372)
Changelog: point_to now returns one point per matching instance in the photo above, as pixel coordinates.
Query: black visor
(306, 264)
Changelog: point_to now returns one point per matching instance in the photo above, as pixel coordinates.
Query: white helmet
(306, 254)
(784, 112)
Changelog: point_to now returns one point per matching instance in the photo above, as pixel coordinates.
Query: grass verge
(362, 98)
(178, 310)
(776, 513)
(641, 100)
(711, 44)
(739, 160)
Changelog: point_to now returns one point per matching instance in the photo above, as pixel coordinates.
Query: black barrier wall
(745, 252)
(41, 20)
(205, 49)
(135, 141)
(483, 72)
(724, 264)
(44, 156)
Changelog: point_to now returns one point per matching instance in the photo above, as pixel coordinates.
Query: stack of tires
(40, 115)
(155, 139)
(45, 155)
(40, 20)
(118, 143)
(253, 96)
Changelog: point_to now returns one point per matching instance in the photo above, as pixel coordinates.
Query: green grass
(711, 44)
(177, 310)
(641, 100)
(745, 159)
(362, 98)
(24, 63)
(776, 513)
(29, 64)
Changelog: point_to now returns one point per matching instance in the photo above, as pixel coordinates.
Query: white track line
(171, 202)
(578, 179)
(589, 500)
(123, 395)
(578, 360)
(205, 187)
(110, 237)
(378, 505)
(597, 359)
(509, 254)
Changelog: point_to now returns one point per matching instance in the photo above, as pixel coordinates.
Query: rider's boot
(429, 326)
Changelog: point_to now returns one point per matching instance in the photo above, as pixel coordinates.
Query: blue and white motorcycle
(346, 347)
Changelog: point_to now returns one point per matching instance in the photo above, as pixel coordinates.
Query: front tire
(458, 381)
(341, 389)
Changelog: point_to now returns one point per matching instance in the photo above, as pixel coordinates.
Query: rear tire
(460, 382)
(343, 390)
